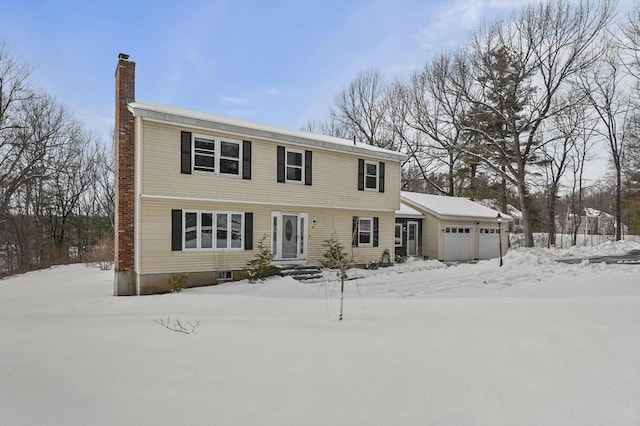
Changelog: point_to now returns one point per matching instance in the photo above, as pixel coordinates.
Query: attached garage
(489, 243)
(456, 229)
(458, 243)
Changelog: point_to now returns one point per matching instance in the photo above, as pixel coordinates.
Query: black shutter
(308, 155)
(185, 152)
(248, 231)
(381, 177)
(281, 164)
(246, 159)
(354, 232)
(375, 231)
(176, 230)
(360, 175)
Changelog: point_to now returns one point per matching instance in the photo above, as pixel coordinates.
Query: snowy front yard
(534, 342)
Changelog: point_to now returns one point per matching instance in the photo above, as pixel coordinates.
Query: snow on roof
(493, 204)
(207, 120)
(591, 212)
(588, 211)
(450, 207)
(406, 211)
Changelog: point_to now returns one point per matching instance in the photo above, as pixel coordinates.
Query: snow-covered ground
(534, 342)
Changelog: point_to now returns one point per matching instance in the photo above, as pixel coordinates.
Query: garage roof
(408, 212)
(444, 207)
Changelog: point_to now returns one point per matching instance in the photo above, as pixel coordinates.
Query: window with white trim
(294, 165)
(371, 175)
(365, 232)
(201, 226)
(216, 155)
(398, 235)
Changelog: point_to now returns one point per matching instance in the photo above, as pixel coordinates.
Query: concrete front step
(301, 272)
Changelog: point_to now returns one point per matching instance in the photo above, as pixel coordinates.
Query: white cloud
(454, 21)
(232, 100)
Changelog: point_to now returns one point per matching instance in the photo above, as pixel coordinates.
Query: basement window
(224, 275)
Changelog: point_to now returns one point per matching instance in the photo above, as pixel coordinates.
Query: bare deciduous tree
(546, 44)
(605, 92)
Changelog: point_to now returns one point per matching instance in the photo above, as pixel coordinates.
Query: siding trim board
(269, 203)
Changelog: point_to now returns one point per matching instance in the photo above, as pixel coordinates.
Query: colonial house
(196, 193)
(454, 228)
(590, 222)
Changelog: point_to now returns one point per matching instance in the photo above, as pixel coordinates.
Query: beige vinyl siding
(335, 175)
(157, 257)
(431, 236)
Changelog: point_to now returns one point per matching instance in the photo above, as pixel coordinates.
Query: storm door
(412, 238)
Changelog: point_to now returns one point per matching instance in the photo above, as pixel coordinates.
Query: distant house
(590, 222)
(454, 228)
(197, 192)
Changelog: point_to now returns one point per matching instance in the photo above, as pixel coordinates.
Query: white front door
(289, 231)
(412, 238)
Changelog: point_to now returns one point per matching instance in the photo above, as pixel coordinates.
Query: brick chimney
(125, 276)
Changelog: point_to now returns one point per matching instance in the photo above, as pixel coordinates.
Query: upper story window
(214, 155)
(230, 157)
(204, 153)
(371, 175)
(294, 165)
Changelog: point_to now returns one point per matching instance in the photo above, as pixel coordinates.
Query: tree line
(516, 114)
(56, 178)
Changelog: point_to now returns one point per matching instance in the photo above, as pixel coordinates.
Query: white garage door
(489, 243)
(458, 243)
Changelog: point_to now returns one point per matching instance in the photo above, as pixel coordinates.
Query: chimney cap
(124, 56)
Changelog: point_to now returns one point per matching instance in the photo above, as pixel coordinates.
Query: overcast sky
(274, 62)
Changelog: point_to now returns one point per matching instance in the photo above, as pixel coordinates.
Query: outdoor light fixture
(499, 218)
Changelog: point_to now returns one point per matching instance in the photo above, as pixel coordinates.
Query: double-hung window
(209, 230)
(365, 232)
(230, 157)
(371, 175)
(217, 156)
(204, 153)
(294, 166)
